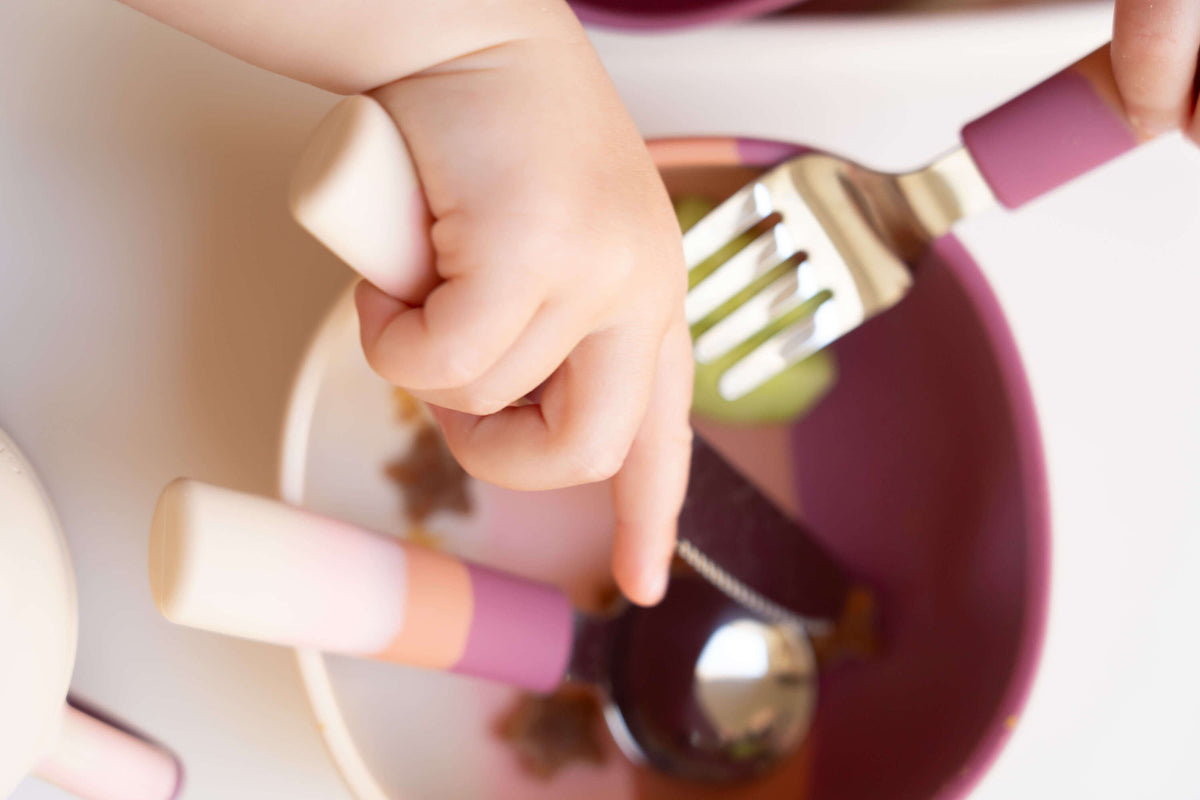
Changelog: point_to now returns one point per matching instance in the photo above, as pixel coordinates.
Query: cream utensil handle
(247, 566)
(97, 760)
(355, 189)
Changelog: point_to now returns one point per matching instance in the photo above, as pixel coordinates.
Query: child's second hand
(1155, 48)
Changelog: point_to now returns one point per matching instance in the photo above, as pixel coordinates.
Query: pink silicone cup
(923, 473)
(1056, 131)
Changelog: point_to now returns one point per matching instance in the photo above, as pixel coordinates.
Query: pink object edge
(594, 14)
(1036, 491)
(1056, 131)
(124, 748)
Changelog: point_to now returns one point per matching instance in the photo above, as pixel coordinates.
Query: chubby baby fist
(543, 322)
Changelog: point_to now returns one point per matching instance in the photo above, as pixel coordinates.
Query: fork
(854, 233)
(835, 241)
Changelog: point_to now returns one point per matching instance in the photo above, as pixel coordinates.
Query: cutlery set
(833, 245)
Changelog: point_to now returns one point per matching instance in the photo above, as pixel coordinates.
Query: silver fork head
(823, 228)
(849, 231)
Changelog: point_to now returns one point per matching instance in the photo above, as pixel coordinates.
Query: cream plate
(400, 732)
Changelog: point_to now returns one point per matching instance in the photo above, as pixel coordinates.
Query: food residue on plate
(429, 477)
(550, 732)
(856, 633)
(408, 408)
(421, 536)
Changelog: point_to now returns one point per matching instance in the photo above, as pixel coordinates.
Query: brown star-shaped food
(549, 732)
(430, 477)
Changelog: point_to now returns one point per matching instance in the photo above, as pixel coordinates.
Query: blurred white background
(154, 299)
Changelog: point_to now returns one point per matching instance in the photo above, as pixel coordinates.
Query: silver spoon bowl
(699, 686)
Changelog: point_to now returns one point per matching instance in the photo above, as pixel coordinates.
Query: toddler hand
(561, 271)
(1154, 50)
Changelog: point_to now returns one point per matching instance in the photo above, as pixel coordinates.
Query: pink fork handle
(1054, 132)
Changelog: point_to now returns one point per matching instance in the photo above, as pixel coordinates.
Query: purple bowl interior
(656, 14)
(922, 472)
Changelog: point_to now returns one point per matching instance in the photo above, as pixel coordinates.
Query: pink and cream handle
(356, 190)
(96, 759)
(1056, 131)
(246, 566)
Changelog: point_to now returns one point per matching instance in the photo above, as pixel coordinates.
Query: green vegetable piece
(784, 398)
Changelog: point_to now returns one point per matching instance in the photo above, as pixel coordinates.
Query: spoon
(698, 686)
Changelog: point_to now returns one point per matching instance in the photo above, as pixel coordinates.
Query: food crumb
(408, 408)
(605, 596)
(429, 477)
(856, 633)
(1010, 722)
(421, 536)
(550, 732)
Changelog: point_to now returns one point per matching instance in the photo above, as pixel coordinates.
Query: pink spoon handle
(521, 631)
(478, 621)
(1053, 133)
(247, 566)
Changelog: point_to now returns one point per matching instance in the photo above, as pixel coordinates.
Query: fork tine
(739, 213)
(786, 348)
(786, 293)
(750, 317)
(749, 264)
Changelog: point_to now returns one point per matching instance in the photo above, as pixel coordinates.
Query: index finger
(649, 490)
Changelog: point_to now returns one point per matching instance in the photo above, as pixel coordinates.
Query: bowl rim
(293, 455)
(591, 13)
(679, 151)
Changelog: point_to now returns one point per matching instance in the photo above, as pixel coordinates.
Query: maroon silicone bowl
(923, 472)
(657, 14)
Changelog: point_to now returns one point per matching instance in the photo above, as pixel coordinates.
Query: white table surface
(155, 298)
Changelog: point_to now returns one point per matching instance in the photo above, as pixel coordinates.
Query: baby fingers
(580, 431)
